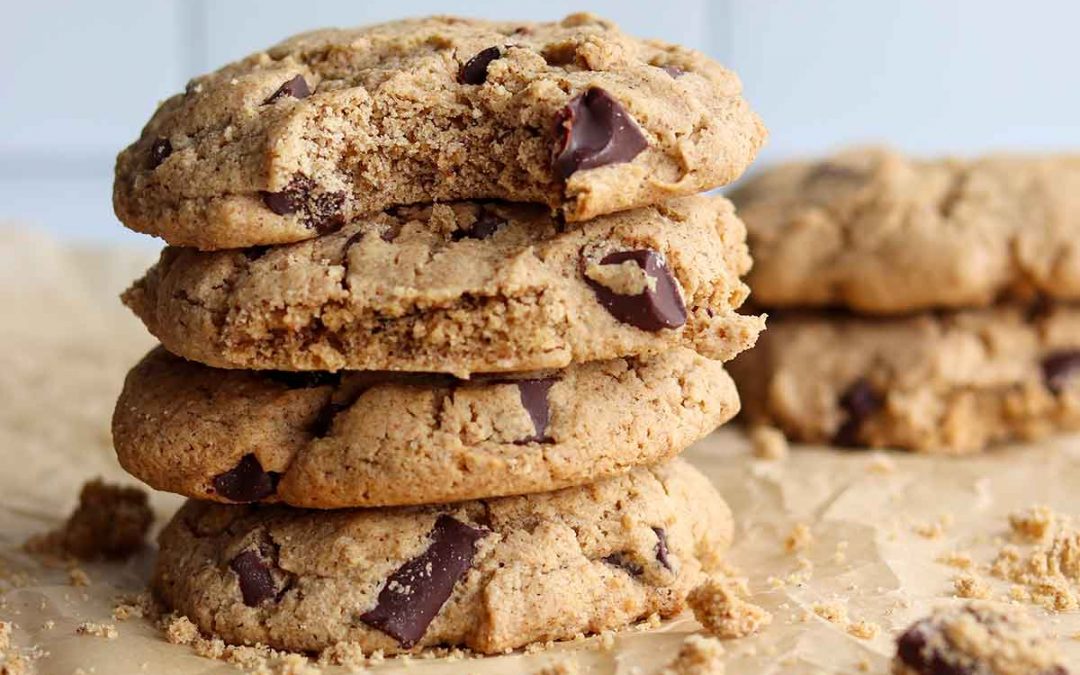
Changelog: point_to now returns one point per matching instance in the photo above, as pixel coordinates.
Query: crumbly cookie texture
(461, 288)
(951, 383)
(489, 575)
(334, 124)
(876, 232)
(380, 439)
(976, 639)
(111, 522)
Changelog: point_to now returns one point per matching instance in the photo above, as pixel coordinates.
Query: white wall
(78, 79)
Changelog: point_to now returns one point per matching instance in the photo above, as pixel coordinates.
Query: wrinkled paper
(879, 522)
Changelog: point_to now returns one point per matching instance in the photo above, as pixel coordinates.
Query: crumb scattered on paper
(971, 586)
(698, 655)
(110, 522)
(100, 630)
(799, 539)
(720, 606)
(769, 443)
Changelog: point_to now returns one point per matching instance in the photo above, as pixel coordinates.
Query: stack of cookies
(440, 307)
(928, 305)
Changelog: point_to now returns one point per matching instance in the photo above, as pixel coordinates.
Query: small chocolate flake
(674, 71)
(623, 562)
(475, 69)
(256, 581)
(485, 226)
(413, 595)
(159, 152)
(297, 88)
(859, 401)
(653, 309)
(662, 556)
(246, 482)
(1059, 368)
(594, 130)
(534, 397)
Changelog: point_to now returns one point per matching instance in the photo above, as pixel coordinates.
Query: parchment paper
(66, 343)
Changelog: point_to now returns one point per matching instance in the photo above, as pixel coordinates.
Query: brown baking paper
(879, 522)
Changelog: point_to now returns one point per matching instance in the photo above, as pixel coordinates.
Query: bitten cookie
(378, 439)
(875, 232)
(977, 639)
(335, 124)
(488, 575)
(950, 383)
(461, 288)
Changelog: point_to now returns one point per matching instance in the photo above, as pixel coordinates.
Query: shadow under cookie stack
(929, 305)
(439, 309)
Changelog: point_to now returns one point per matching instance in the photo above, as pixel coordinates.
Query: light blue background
(78, 79)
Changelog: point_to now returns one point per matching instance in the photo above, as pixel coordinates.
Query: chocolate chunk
(256, 581)
(674, 71)
(623, 562)
(1060, 367)
(304, 379)
(321, 212)
(246, 482)
(654, 308)
(594, 130)
(253, 253)
(416, 591)
(475, 69)
(534, 396)
(662, 549)
(159, 152)
(296, 88)
(486, 225)
(924, 656)
(291, 199)
(859, 401)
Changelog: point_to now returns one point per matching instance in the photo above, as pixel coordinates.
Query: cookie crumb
(100, 630)
(566, 667)
(957, 559)
(110, 522)
(1034, 522)
(971, 586)
(863, 629)
(833, 612)
(881, 464)
(769, 443)
(718, 605)
(698, 655)
(137, 606)
(78, 577)
(799, 539)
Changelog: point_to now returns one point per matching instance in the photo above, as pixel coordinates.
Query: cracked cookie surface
(489, 575)
(462, 288)
(377, 439)
(952, 382)
(875, 232)
(335, 124)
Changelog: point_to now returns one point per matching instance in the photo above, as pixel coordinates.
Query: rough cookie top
(874, 231)
(977, 639)
(333, 124)
(462, 288)
(322, 440)
(490, 575)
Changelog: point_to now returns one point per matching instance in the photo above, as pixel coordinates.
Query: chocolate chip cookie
(326, 440)
(461, 288)
(878, 233)
(977, 639)
(953, 382)
(330, 125)
(489, 575)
